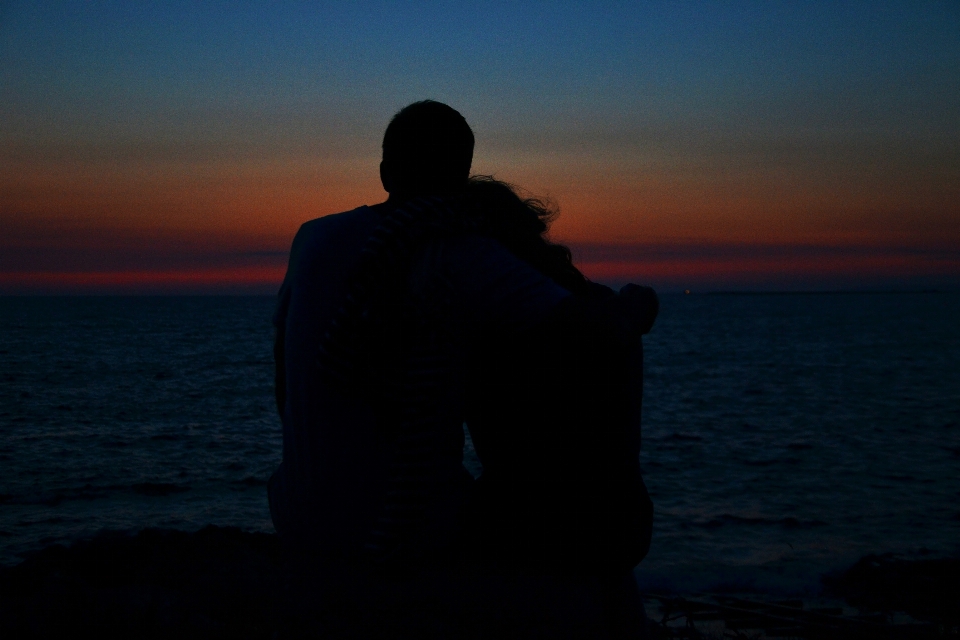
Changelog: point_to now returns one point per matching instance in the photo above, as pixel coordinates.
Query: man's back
(342, 448)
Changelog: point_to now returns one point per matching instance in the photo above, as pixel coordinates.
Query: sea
(784, 435)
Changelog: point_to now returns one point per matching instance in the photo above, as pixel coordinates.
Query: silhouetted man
(372, 482)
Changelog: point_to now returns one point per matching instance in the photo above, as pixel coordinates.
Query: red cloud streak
(257, 279)
(714, 267)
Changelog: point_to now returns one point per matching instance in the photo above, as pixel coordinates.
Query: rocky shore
(226, 583)
(215, 583)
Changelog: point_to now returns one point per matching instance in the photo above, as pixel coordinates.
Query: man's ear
(385, 177)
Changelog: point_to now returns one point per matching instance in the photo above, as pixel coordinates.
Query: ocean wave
(727, 519)
(158, 488)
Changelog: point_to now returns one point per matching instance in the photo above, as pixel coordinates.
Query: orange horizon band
(656, 268)
(234, 276)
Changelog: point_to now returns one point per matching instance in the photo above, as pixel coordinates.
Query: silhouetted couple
(398, 323)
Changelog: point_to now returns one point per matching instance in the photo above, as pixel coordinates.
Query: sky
(714, 146)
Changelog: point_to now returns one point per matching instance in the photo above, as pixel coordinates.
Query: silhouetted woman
(554, 414)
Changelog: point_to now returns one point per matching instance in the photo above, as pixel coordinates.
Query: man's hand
(641, 306)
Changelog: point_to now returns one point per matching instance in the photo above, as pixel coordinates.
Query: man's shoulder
(332, 229)
(331, 240)
(331, 221)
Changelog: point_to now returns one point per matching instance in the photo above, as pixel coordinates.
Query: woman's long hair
(487, 206)
(520, 224)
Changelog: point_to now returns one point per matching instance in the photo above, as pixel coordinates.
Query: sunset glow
(712, 146)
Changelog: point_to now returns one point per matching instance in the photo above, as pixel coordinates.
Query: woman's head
(520, 224)
(505, 214)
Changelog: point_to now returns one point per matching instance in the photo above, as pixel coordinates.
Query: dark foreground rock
(878, 590)
(926, 589)
(225, 583)
(215, 583)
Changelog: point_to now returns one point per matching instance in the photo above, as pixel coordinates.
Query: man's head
(427, 148)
